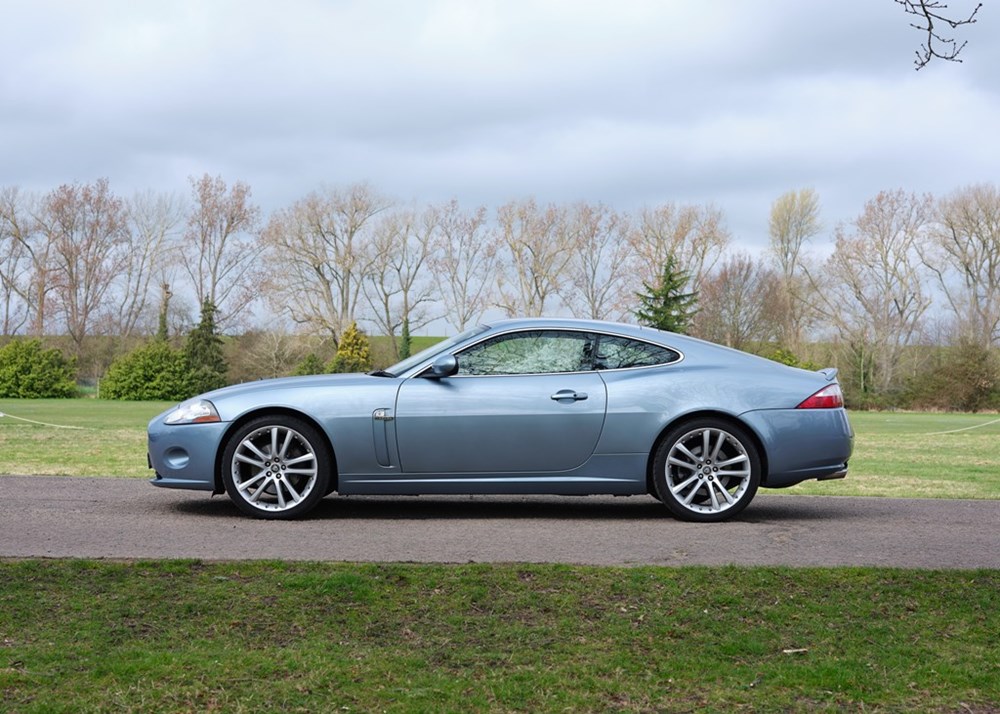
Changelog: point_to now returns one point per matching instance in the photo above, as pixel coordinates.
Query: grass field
(78, 636)
(896, 454)
(103, 438)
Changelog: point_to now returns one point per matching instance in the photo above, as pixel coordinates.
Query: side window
(533, 352)
(622, 353)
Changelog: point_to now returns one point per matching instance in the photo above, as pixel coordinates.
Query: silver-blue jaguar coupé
(531, 406)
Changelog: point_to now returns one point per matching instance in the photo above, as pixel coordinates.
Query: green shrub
(787, 357)
(354, 353)
(967, 379)
(152, 372)
(29, 371)
(312, 364)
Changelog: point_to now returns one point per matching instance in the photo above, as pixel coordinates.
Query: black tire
(706, 470)
(276, 467)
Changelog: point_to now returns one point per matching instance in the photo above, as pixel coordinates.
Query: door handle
(568, 394)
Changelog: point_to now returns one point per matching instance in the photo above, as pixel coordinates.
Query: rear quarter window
(615, 352)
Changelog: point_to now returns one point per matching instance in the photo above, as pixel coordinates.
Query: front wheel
(276, 467)
(706, 470)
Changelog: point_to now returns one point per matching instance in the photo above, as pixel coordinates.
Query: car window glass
(532, 352)
(622, 353)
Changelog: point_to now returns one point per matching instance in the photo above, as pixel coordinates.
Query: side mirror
(443, 366)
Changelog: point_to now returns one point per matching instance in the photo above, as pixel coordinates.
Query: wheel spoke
(684, 450)
(739, 473)
(735, 460)
(300, 459)
(247, 460)
(255, 496)
(711, 492)
(291, 491)
(718, 447)
(693, 485)
(682, 464)
(285, 444)
(244, 485)
(250, 446)
(681, 486)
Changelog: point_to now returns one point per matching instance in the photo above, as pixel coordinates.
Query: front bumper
(184, 455)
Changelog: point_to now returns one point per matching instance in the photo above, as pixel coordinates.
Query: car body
(526, 406)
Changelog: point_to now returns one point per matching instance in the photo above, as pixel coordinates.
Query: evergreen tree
(311, 364)
(203, 352)
(354, 352)
(406, 342)
(162, 331)
(665, 305)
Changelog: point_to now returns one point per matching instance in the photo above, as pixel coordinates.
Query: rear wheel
(706, 470)
(276, 467)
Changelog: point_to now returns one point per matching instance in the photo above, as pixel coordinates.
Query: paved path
(57, 517)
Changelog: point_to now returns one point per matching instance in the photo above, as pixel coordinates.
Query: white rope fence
(964, 428)
(41, 423)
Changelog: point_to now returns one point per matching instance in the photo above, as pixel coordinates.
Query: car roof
(686, 344)
(621, 328)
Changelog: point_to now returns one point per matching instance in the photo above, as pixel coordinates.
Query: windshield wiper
(380, 373)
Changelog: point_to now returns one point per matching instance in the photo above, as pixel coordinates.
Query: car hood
(316, 381)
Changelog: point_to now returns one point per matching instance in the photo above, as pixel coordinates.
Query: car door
(521, 402)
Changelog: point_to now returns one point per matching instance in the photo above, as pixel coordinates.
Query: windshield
(435, 349)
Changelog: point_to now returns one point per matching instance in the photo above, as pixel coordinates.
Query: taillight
(827, 398)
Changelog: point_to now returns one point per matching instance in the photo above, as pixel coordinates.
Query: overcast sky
(630, 103)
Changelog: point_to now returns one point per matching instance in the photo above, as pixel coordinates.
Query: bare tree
(221, 247)
(86, 228)
(964, 255)
(151, 251)
(737, 303)
(873, 290)
(13, 273)
(397, 286)
(15, 261)
(695, 235)
(31, 274)
(271, 353)
(324, 244)
(463, 264)
(599, 286)
(536, 250)
(929, 19)
(794, 220)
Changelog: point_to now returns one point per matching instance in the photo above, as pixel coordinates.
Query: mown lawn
(917, 455)
(79, 636)
(76, 437)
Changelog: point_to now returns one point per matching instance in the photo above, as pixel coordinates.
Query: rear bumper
(802, 444)
(835, 475)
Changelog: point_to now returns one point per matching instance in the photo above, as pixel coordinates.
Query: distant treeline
(907, 302)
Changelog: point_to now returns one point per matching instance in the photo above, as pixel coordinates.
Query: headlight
(197, 411)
